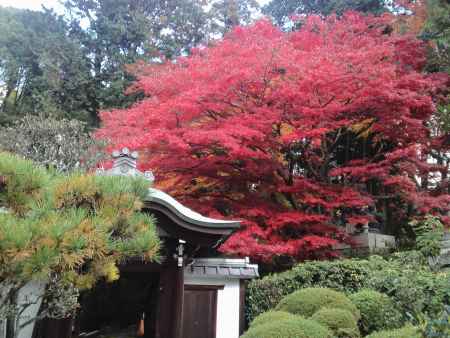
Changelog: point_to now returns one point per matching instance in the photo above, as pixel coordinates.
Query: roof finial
(125, 164)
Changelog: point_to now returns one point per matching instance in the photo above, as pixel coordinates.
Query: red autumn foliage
(298, 134)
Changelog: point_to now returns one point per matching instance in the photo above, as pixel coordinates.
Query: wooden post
(179, 291)
(178, 304)
(170, 307)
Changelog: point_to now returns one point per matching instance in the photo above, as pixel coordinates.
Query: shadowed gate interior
(114, 310)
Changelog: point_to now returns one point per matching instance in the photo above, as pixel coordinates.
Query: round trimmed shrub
(306, 302)
(404, 332)
(272, 316)
(377, 311)
(297, 327)
(341, 322)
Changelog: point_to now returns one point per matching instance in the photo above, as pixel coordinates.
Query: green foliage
(281, 10)
(74, 65)
(41, 68)
(402, 277)
(271, 316)
(342, 275)
(116, 33)
(429, 232)
(402, 283)
(438, 327)
(67, 230)
(437, 29)
(441, 122)
(21, 183)
(437, 32)
(226, 14)
(407, 259)
(405, 332)
(307, 301)
(289, 328)
(64, 145)
(55, 65)
(124, 32)
(341, 322)
(377, 310)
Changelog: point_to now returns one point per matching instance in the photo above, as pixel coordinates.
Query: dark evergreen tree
(41, 69)
(281, 10)
(74, 66)
(226, 14)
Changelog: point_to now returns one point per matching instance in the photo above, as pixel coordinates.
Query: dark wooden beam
(171, 294)
(178, 301)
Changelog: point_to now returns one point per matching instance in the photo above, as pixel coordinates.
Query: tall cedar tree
(116, 33)
(300, 134)
(42, 70)
(282, 10)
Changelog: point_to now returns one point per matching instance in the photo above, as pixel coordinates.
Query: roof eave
(189, 217)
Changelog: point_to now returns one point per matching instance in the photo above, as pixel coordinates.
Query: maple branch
(285, 177)
(306, 163)
(327, 102)
(388, 196)
(362, 131)
(211, 114)
(265, 80)
(260, 149)
(328, 151)
(234, 105)
(290, 197)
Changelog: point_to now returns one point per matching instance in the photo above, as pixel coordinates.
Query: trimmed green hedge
(306, 302)
(272, 316)
(403, 277)
(405, 332)
(377, 310)
(341, 322)
(289, 328)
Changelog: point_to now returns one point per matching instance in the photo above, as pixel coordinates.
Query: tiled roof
(231, 268)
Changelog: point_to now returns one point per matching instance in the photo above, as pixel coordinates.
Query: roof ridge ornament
(125, 164)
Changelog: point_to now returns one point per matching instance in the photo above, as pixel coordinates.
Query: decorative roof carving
(125, 164)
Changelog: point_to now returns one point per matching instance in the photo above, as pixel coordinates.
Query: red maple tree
(299, 134)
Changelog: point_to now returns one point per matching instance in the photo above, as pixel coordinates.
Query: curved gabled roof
(177, 221)
(186, 214)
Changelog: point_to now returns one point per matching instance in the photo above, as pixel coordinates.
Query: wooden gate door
(200, 311)
(169, 316)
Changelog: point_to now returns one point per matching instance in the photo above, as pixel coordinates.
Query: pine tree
(70, 230)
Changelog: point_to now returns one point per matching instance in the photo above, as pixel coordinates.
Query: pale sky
(31, 4)
(36, 4)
